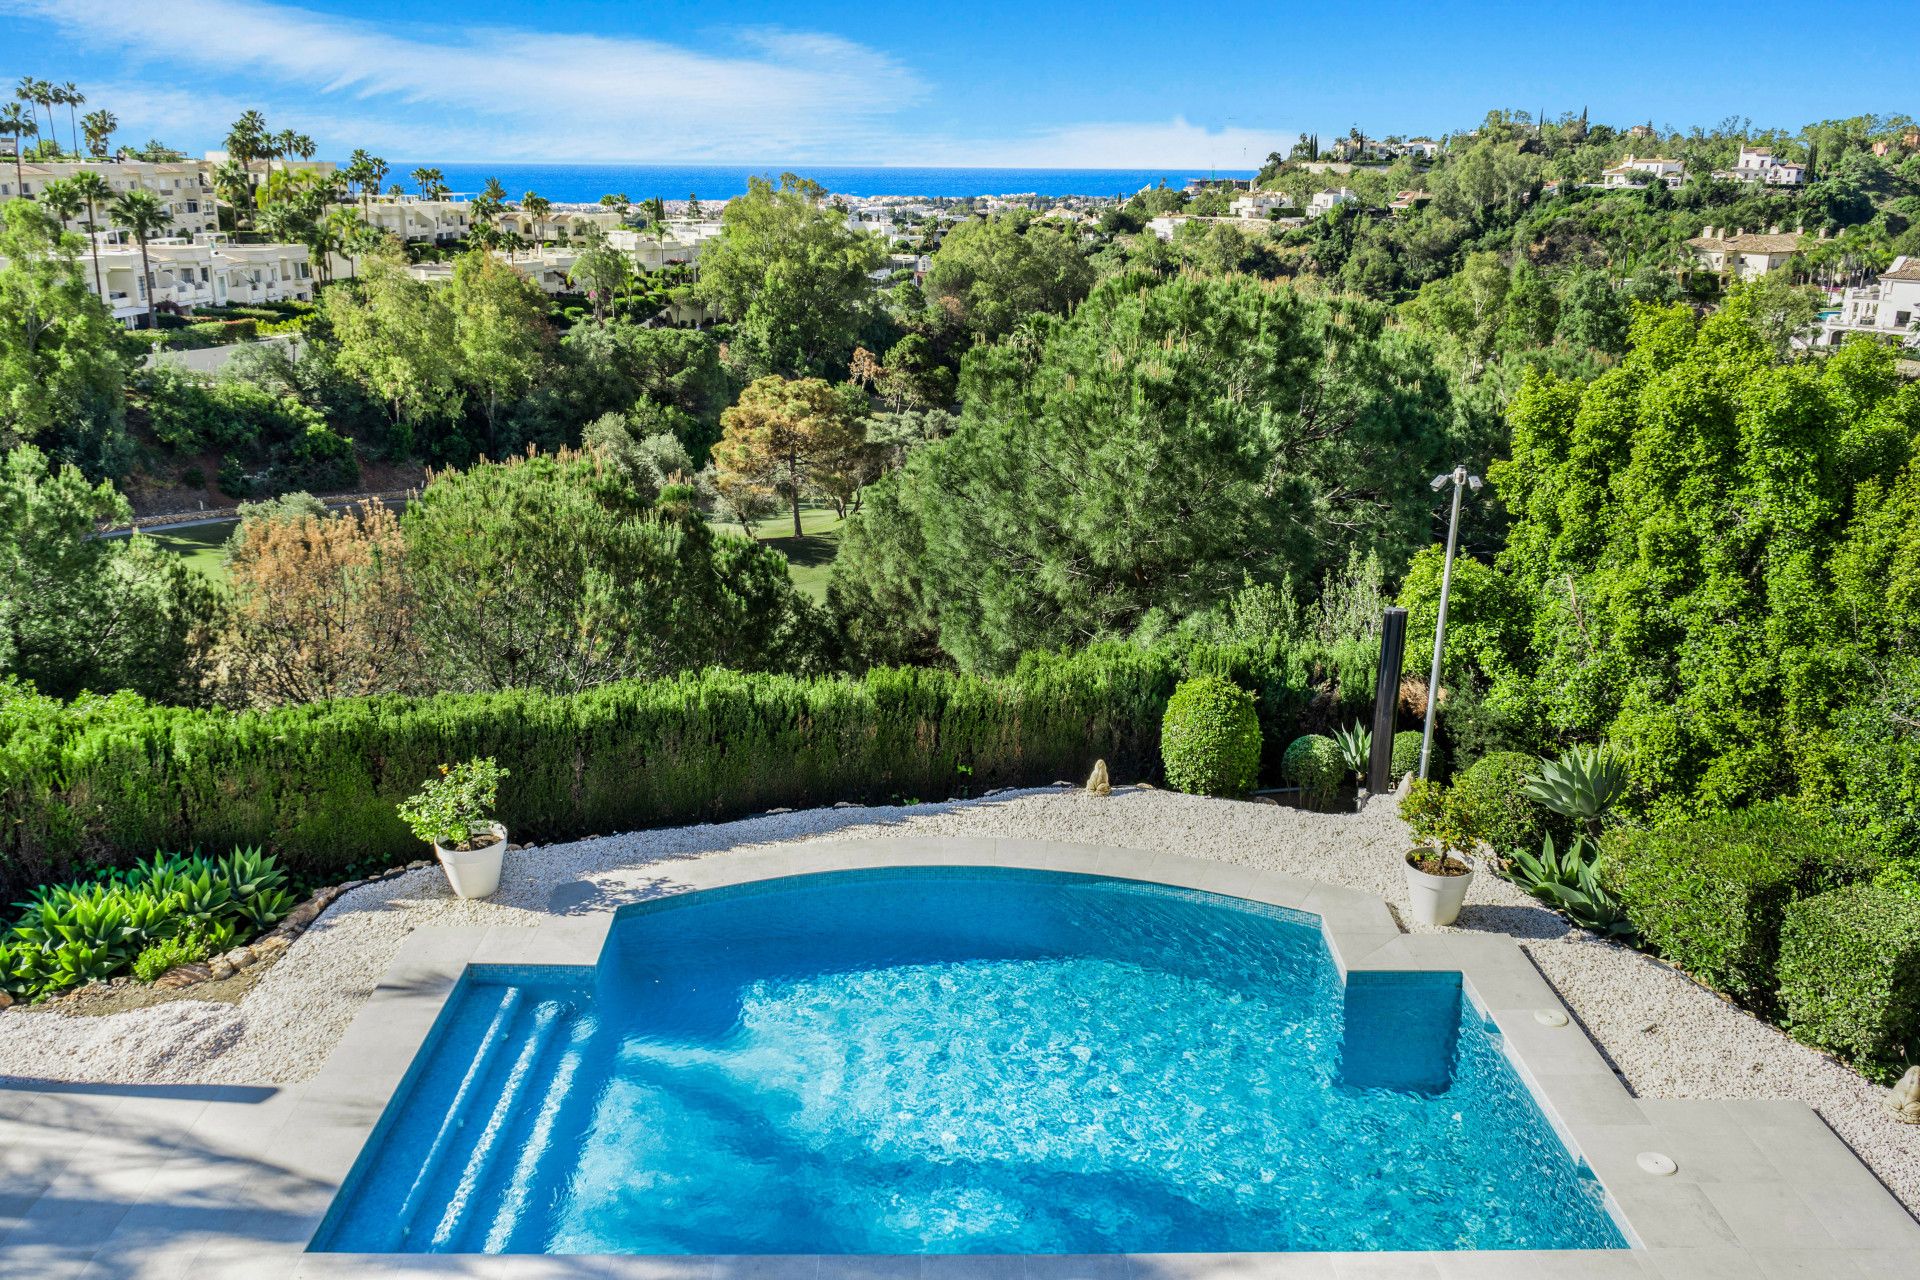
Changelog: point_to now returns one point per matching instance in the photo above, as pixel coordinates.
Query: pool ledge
(216, 1182)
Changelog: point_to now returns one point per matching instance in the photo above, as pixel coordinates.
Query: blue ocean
(585, 183)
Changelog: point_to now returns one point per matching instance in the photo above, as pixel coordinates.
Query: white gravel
(1666, 1036)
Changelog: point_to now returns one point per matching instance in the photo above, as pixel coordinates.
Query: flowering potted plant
(453, 813)
(1438, 872)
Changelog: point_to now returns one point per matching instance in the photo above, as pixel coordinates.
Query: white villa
(1328, 201)
(1759, 164)
(1886, 309)
(1744, 255)
(1166, 224)
(1632, 173)
(183, 186)
(1260, 204)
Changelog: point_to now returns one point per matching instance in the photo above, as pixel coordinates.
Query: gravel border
(1665, 1035)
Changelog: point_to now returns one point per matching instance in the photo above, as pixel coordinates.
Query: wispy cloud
(516, 93)
(188, 67)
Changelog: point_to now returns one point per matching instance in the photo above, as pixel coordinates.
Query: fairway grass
(809, 557)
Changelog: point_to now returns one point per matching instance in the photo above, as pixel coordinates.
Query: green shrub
(1493, 808)
(1406, 755)
(1709, 892)
(96, 783)
(76, 933)
(1849, 974)
(170, 953)
(1314, 764)
(1210, 738)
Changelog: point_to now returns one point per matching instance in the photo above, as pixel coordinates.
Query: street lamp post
(1461, 482)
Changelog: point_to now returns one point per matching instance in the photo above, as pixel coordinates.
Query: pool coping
(1760, 1188)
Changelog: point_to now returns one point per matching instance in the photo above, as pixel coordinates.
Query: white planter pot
(1435, 900)
(474, 873)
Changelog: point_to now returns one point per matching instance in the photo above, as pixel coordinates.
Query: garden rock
(1097, 783)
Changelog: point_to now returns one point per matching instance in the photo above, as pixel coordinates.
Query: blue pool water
(952, 1060)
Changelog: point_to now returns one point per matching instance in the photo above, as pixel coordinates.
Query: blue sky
(982, 82)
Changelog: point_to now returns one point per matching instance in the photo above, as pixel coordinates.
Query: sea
(586, 183)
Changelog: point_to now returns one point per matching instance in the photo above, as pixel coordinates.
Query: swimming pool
(961, 1060)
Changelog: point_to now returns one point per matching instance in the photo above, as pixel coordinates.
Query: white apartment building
(1744, 255)
(561, 224)
(185, 275)
(680, 246)
(1759, 164)
(1260, 204)
(1327, 201)
(1633, 173)
(1887, 309)
(416, 219)
(1166, 224)
(181, 186)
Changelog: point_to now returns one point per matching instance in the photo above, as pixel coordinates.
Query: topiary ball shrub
(1491, 808)
(1210, 738)
(1406, 755)
(1314, 764)
(1849, 973)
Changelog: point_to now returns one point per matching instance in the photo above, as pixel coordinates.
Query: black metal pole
(1386, 699)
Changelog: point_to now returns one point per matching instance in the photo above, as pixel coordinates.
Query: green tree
(396, 338)
(79, 612)
(1694, 545)
(500, 332)
(601, 270)
(787, 269)
(551, 573)
(793, 437)
(1149, 454)
(987, 277)
(61, 371)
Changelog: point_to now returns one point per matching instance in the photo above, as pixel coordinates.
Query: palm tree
(61, 200)
(99, 127)
(71, 95)
(247, 141)
(142, 214)
(95, 192)
(432, 183)
(376, 172)
(359, 172)
(28, 91)
(536, 207)
(233, 184)
(16, 125)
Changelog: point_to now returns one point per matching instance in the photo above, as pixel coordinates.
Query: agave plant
(1583, 784)
(1571, 882)
(1356, 746)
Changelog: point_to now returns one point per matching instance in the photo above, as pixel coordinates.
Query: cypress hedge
(101, 782)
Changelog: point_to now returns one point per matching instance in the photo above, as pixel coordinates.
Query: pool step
(493, 1111)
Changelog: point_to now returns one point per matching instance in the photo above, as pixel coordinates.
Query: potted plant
(453, 813)
(1438, 872)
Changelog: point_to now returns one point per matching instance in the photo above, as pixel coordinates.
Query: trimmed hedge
(1849, 974)
(103, 781)
(1210, 738)
(1710, 892)
(1314, 764)
(1488, 802)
